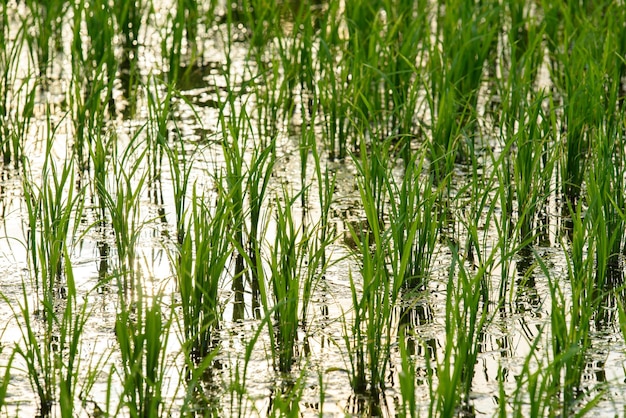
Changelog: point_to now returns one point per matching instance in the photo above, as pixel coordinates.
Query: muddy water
(504, 344)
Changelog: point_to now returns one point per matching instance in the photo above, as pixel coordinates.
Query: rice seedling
(128, 16)
(365, 28)
(306, 17)
(333, 83)
(605, 208)
(577, 145)
(580, 74)
(201, 266)
(334, 112)
(524, 172)
(520, 103)
(246, 180)
(356, 338)
(504, 222)
(234, 130)
(100, 151)
(468, 125)
(272, 96)
(37, 351)
(529, 160)
(413, 224)
(455, 78)
(377, 75)
(389, 260)
(326, 183)
(52, 339)
(99, 59)
(172, 46)
(281, 293)
(91, 366)
(292, 69)
(571, 325)
(17, 97)
(159, 114)
(180, 168)
(46, 20)
(368, 338)
(122, 203)
(51, 208)
(445, 143)
(285, 70)
(407, 378)
(524, 39)
(191, 19)
(88, 118)
(407, 40)
(93, 74)
(467, 316)
(15, 129)
(261, 168)
(142, 335)
(68, 359)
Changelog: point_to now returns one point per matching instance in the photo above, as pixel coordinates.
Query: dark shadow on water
(6, 197)
(543, 225)
(195, 76)
(238, 289)
(567, 223)
(412, 317)
(129, 79)
(526, 295)
(103, 260)
(607, 315)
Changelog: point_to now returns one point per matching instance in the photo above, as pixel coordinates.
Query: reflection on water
(502, 346)
(527, 297)
(367, 406)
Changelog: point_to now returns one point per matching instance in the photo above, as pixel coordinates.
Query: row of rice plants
(368, 108)
(15, 107)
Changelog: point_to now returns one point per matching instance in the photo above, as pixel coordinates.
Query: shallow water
(504, 345)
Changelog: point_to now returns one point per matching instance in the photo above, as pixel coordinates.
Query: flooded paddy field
(312, 208)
